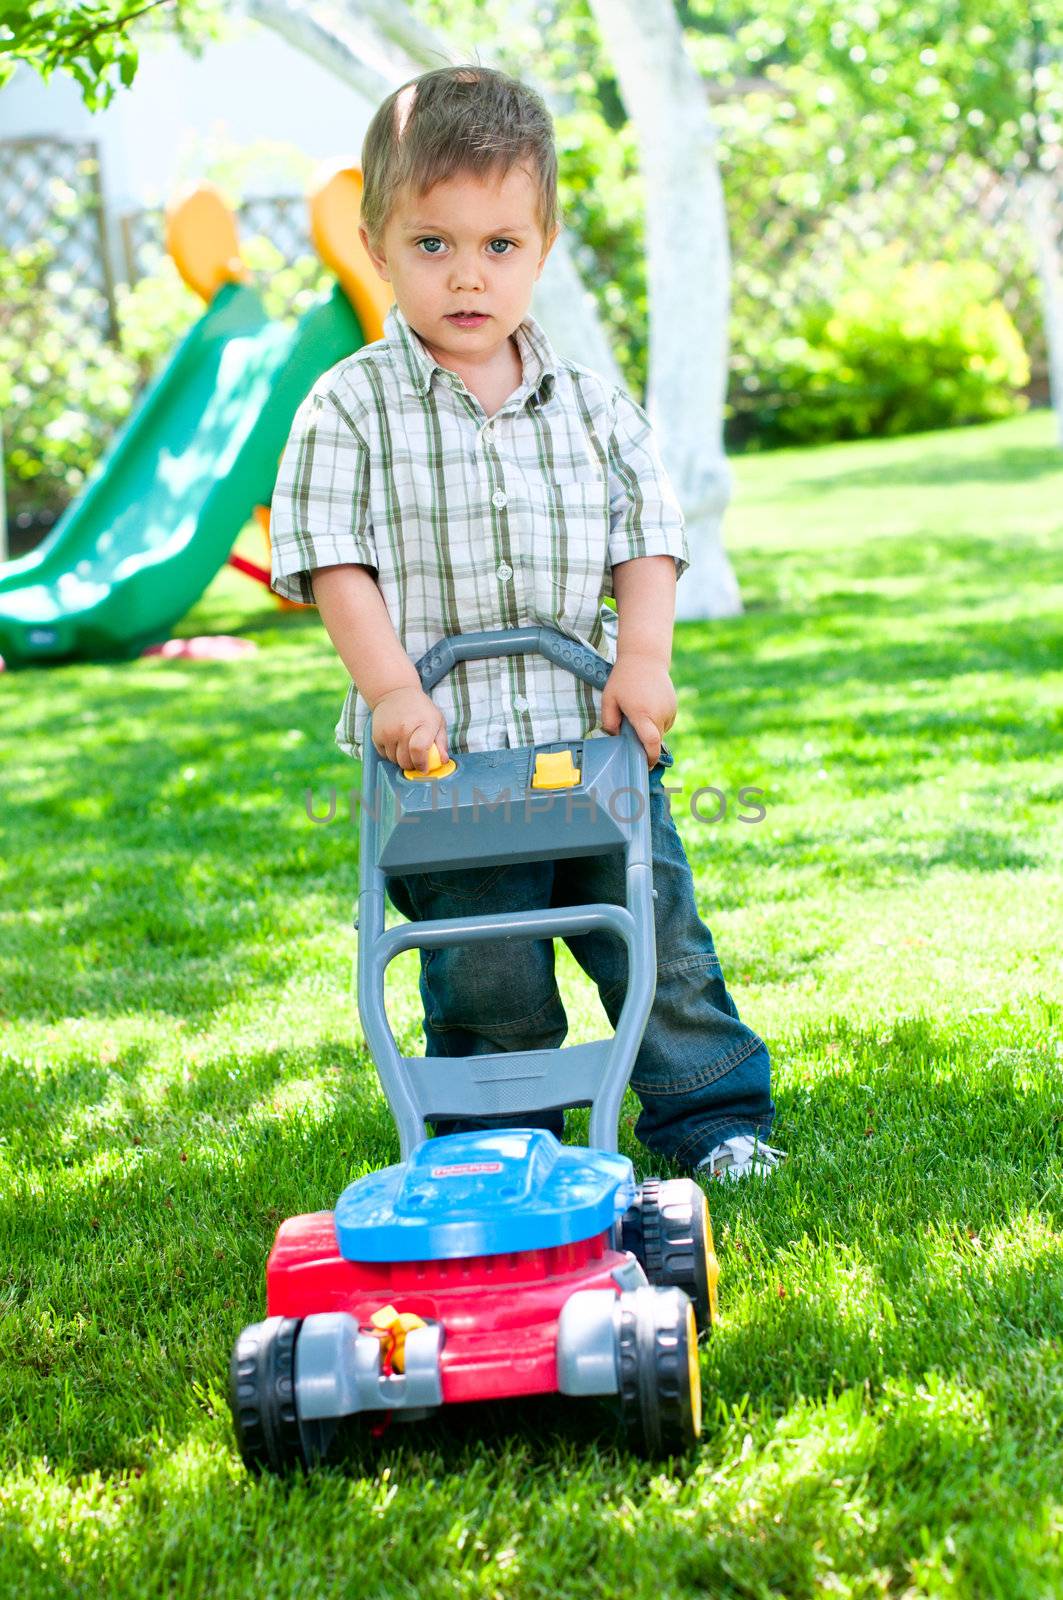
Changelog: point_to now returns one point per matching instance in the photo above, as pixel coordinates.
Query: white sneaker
(741, 1157)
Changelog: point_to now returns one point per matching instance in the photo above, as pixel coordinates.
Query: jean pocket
(464, 884)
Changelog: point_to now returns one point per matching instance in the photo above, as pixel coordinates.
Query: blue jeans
(701, 1073)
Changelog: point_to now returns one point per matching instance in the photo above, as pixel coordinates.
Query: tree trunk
(688, 279)
(1039, 196)
(374, 46)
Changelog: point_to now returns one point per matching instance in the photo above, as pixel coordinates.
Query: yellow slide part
(202, 239)
(335, 206)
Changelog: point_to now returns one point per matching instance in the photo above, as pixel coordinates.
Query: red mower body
(499, 1313)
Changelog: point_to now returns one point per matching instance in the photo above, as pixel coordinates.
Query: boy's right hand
(406, 724)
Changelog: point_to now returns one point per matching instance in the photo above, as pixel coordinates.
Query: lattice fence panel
(808, 226)
(282, 219)
(50, 192)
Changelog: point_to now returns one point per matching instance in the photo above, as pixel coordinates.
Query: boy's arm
(353, 611)
(324, 553)
(640, 684)
(406, 722)
(648, 553)
(321, 509)
(645, 608)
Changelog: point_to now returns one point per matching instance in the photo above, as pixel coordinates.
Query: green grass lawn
(181, 1066)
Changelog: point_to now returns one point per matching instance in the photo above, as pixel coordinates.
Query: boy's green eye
(434, 239)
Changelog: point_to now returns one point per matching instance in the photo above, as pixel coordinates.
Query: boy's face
(469, 244)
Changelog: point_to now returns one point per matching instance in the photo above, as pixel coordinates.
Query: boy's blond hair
(458, 119)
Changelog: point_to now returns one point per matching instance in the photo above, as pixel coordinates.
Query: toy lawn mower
(496, 1262)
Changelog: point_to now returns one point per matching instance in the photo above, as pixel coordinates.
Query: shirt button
(505, 571)
(499, 498)
(520, 703)
(489, 433)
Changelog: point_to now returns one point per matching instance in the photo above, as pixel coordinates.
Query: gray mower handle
(578, 658)
(634, 922)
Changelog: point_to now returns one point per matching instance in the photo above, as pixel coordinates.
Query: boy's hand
(406, 724)
(641, 688)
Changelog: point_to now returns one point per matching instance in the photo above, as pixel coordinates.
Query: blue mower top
(483, 1194)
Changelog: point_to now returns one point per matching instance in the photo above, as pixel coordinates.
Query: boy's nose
(466, 274)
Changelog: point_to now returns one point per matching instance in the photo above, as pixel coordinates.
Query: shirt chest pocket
(567, 553)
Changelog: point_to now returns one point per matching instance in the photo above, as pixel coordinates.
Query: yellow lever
(393, 1328)
(555, 769)
(436, 768)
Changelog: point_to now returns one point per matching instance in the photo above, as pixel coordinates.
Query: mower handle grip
(564, 652)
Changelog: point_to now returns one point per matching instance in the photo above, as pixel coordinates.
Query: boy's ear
(548, 246)
(379, 262)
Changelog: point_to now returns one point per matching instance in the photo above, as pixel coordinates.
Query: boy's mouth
(467, 319)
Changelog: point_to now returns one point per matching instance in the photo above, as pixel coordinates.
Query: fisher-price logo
(466, 1169)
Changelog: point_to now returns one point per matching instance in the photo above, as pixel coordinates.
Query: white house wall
(247, 86)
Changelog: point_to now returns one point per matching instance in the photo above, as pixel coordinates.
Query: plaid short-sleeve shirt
(472, 522)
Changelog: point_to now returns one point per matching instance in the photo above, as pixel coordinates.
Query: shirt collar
(536, 352)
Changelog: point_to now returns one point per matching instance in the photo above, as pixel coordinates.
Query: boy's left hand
(641, 688)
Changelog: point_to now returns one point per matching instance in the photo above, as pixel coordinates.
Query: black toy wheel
(669, 1233)
(660, 1381)
(262, 1396)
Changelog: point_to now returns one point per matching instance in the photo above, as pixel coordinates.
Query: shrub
(63, 387)
(900, 349)
(154, 314)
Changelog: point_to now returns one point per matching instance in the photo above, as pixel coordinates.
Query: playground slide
(157, 518)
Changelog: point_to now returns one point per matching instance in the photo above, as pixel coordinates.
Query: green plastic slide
(160, 514)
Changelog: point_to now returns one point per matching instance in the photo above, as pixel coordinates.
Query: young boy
(458, 475)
